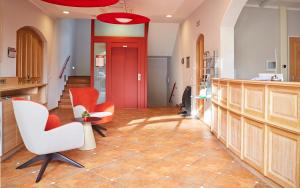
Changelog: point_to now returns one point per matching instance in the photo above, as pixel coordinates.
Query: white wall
(161, 38)
(257, 35)
(63, 47)
(56, 35)
(293, 23)
(210, 15)
(82, 47)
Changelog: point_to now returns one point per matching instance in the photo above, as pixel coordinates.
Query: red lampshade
(122, 18)
(83, 3)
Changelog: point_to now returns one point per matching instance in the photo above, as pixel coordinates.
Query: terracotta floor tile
(85, 179)
(114, 170)
(143, 148)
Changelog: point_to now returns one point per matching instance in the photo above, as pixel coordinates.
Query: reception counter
(11, 139)
(259, 121)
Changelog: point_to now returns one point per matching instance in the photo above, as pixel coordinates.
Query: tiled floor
(144, 148)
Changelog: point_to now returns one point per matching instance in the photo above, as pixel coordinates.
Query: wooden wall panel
(215, 124)
(254, 101)
(253, 148)
(223, 125)
(283, 157)
(284, 106)
(234, 133)
(235, 97)
(29, 55)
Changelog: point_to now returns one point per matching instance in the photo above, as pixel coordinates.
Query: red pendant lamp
(122, 18)
(83, 3)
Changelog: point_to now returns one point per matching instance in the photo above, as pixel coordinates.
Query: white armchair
(45, 141)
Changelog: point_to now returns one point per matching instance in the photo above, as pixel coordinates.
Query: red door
(124, 71)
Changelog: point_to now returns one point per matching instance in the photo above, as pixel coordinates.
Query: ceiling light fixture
(122, 17)
(169, 16)
(66, 12)
(83, 3)
(124, 20)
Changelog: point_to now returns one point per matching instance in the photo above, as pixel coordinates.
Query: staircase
(73, 81)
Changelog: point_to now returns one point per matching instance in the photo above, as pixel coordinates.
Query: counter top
(13, 87)
(293, 84)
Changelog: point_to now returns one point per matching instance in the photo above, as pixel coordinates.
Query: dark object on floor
(186, 105)
(47, 158)
(99, 129)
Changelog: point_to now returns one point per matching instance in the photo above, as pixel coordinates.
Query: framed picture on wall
(187, 62)
(271, 66)
(11, 52)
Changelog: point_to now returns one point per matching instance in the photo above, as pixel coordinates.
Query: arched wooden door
(29, 55)
(199, 73)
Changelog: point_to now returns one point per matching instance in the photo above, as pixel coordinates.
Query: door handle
(139, 76)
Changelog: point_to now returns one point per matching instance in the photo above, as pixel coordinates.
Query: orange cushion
(103, 120)
(52, 122)
(105, 107)
(85, 96)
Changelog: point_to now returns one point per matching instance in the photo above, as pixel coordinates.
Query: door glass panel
(105, 29)
(100, 70)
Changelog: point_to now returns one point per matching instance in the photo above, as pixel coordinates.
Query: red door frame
(140, 43)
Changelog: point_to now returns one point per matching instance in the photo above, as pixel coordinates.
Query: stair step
(78, 82)
(73, 82)
(65, 96)
(76, 85)
(65, 100)
(79, 79)
(64, 106)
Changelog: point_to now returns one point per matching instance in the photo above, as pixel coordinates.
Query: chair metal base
(99, 129)
(47, 158)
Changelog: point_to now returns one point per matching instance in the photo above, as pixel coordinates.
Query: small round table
(89, 139)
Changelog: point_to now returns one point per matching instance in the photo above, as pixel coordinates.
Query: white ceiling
(291, 4)
(156, 10)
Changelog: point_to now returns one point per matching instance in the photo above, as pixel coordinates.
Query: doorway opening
(200, 74)
(158, 81)
(294, 59)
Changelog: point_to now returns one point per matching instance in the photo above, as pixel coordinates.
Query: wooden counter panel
(234, 133)
(223, 125)
(223, 93)
(260, 121)
(283, 157)
(9, 127)
(284, 106)
(254, 144)
(235, 97)
(254, 101)
(12, 87)
(215, 91)
(215, 124)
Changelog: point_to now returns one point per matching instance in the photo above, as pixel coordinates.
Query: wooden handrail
(172, 93)
(64, 67)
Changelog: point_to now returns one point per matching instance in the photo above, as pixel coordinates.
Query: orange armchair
(85, 99)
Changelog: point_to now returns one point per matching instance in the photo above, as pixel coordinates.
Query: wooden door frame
(289, 56)
(199, 73)
(141, 43)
